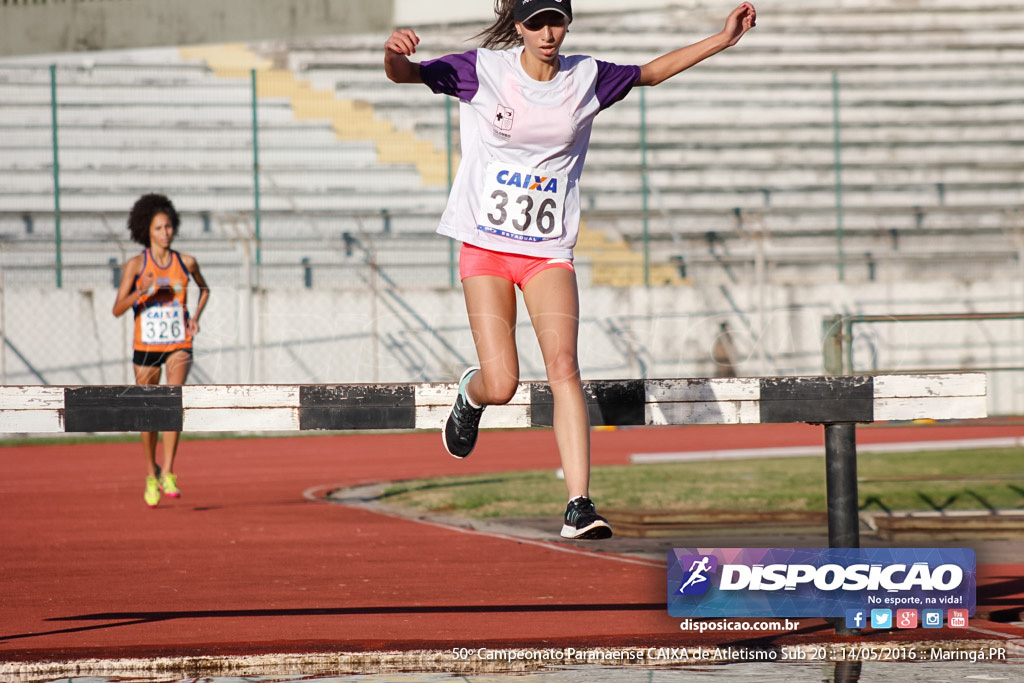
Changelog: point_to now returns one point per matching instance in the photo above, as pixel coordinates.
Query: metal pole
(841, 485)
(839, 174)
(255, 170)
(848, 348)
(643, 186)
(3, 329)
(832, 344)
(452, 266)
(841, 493)
(56, 178)
(847, 672)
(248, 324)
(762, 325)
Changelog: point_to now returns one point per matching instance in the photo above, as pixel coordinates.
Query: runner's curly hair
(502, 33)
(146, 207)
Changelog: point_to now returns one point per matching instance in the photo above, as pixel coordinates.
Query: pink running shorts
(517, 268)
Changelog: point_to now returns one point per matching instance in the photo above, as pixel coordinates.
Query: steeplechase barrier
(838, 403)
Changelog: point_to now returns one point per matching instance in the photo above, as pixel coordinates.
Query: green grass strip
(948, 480)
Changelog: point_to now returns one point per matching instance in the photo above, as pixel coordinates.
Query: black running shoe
(463, 423)
(583, 522)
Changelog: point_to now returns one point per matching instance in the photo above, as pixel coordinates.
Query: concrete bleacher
(180, 129)
(931, 96)
(129, 126)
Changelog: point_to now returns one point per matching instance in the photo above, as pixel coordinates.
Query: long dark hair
(502, 33)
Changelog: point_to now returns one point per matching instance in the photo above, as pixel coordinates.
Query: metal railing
(838, 346)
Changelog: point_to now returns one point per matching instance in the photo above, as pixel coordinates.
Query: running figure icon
(697, 571)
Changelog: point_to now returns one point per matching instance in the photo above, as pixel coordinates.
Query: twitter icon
(881, 618)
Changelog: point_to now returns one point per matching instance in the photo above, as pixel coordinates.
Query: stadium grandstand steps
(931, 126)
(125, 130)
(351, 119)
(930, 121)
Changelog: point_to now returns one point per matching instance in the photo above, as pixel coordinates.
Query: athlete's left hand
(193, 327)
(742, 19)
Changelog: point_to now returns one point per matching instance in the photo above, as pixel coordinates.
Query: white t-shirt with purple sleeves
(523, 146)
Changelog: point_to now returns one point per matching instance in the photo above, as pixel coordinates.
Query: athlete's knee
(564, 367)
(498, 388)
(146, 375)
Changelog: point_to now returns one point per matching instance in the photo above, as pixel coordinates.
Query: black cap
(527, 8)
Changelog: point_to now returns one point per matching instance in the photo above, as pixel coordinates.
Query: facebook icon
(855, 618)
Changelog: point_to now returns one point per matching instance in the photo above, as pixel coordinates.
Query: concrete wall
(80, 25)
(416, 12)
(75, 25)
(341, 336)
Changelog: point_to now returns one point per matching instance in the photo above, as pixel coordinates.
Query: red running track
(244, 563)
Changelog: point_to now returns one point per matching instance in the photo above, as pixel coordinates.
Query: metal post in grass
(841, 485)
(56, 178)
(643, 185)
(841, 494)
(451, 165)
(255, 168)
(837, 148)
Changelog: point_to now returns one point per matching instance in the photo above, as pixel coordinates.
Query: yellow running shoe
(169, 484)
(152, 494)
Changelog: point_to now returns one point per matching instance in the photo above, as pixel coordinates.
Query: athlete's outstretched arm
(741, 20)
(399, 46)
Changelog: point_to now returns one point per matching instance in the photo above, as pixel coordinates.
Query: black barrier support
(841, 485)
(841, 488)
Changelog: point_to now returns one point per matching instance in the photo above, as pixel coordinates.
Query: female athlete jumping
(526, 115)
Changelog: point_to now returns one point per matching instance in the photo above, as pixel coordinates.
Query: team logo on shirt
(503, 120)
(527, 181)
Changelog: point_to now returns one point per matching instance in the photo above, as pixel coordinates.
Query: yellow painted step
(350, 119)
(616, 265)
(633, 276)
(227, 61)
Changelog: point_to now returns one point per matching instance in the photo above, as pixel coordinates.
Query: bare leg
(178, 365)
(552, 299)
(491, 305)
(148, 375)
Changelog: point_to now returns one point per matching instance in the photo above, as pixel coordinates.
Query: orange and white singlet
(161, 319)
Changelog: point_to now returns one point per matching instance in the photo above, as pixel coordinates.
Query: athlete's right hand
(403, 41)
(146, 283)
(741, 20)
